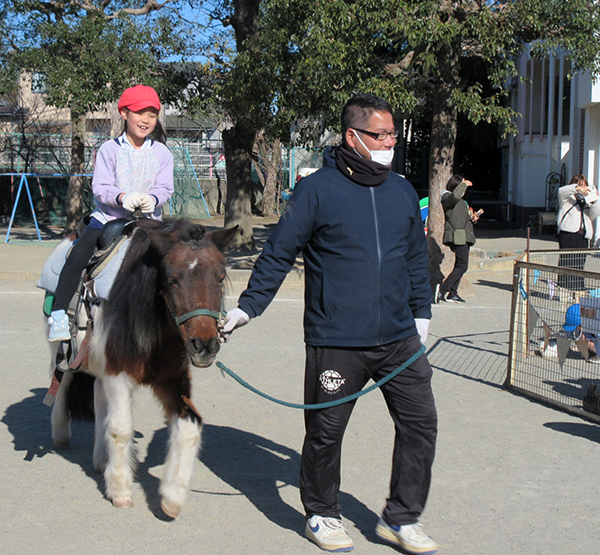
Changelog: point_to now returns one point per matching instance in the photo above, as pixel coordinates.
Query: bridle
(219, 316)
(198, 312)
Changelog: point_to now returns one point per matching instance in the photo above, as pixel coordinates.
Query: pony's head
(192, 273)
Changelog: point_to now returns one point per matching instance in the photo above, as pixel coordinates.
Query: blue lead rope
(329, 404)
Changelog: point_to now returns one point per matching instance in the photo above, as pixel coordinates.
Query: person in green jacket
(458, 235)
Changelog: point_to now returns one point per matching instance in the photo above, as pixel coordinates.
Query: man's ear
(350, 138)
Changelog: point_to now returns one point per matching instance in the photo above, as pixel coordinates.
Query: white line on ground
(473, 307)
(22, 292)
(274, 300)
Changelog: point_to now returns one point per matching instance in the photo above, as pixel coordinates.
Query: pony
(160, 319)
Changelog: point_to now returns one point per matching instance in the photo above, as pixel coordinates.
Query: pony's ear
(222, 237)
(160, 241)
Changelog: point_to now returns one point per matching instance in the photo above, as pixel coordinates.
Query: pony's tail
(80, 397)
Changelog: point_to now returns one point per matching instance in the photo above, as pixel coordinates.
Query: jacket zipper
(379, 261)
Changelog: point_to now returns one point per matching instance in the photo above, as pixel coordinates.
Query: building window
(100, 126)
(38, 83)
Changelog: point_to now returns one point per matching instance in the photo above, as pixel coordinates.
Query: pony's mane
(135, 310)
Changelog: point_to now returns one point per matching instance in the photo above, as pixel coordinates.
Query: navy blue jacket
(365, 258)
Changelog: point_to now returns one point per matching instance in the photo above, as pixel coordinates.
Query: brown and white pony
(161, 317)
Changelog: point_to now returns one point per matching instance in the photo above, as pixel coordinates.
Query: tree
(89, 52)
(246, 95)
(267, 161)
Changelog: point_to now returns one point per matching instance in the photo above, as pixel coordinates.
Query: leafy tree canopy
(309, 57)
(90, 51)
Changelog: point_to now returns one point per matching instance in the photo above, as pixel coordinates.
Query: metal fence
(47, 153)
(555, 330)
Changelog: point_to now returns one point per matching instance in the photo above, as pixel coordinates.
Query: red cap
(139, 97)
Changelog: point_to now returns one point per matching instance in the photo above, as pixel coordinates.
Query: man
(367, 306)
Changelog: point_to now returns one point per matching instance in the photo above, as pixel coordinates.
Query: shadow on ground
(482, 356)
(28, 421)
(494, 284)
(577, 429)
(258, 468)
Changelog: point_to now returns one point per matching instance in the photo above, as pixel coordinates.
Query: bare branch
(54, 6)
(150, 6)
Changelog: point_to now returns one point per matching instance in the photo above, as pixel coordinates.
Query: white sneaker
(59, 326)
(409, 537)
(328, 533)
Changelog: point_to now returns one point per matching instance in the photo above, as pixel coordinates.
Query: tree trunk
(441, 159)
(74, 199)
(238, 142)
(271, 160)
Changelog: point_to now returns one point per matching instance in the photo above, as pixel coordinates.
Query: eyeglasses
(379, 136)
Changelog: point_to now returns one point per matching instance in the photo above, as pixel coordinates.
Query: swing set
(24, 185)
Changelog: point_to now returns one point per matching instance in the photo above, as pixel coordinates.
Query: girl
(458, 235)
(132, 171)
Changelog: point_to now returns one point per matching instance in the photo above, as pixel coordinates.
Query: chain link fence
(47, 160)
(554, 343)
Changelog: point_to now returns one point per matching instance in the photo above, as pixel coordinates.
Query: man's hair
(358, 110)
(454, 182)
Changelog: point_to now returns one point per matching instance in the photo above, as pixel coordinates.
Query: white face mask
(383, 157)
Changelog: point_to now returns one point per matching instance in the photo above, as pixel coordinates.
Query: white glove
(147, 203)
(236, 318)
(422, 328)
(131, 201)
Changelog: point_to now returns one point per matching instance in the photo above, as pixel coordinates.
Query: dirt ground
(511, 476)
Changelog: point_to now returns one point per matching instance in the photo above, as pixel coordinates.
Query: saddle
(106, 261)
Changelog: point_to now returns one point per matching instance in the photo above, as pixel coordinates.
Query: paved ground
(511, 476)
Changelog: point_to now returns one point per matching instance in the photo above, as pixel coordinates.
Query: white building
(558, 134)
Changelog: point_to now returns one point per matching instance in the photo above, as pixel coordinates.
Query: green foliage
(89, 57)
(310, 56)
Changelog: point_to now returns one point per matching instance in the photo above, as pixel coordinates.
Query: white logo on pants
(331, 381)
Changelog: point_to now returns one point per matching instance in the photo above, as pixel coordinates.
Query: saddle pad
(100, 286)
(53, 265)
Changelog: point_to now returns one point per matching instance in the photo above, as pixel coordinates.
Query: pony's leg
(60, 419)
(96, 367)
(184, 444)
(101, 413)
(118, 390)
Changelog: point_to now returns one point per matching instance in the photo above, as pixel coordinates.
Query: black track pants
(576, 261)
(461, 265)
(333, 373)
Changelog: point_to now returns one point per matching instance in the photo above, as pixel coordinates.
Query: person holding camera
(578, 206)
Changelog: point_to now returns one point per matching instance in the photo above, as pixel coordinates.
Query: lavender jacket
(122, 169)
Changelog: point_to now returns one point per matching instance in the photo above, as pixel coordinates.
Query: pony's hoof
(122, 502)
(170, 510)
(62, 445)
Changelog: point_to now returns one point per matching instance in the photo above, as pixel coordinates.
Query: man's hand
(131, 201)
(236, 318)
(147, 203)
(422, 328)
